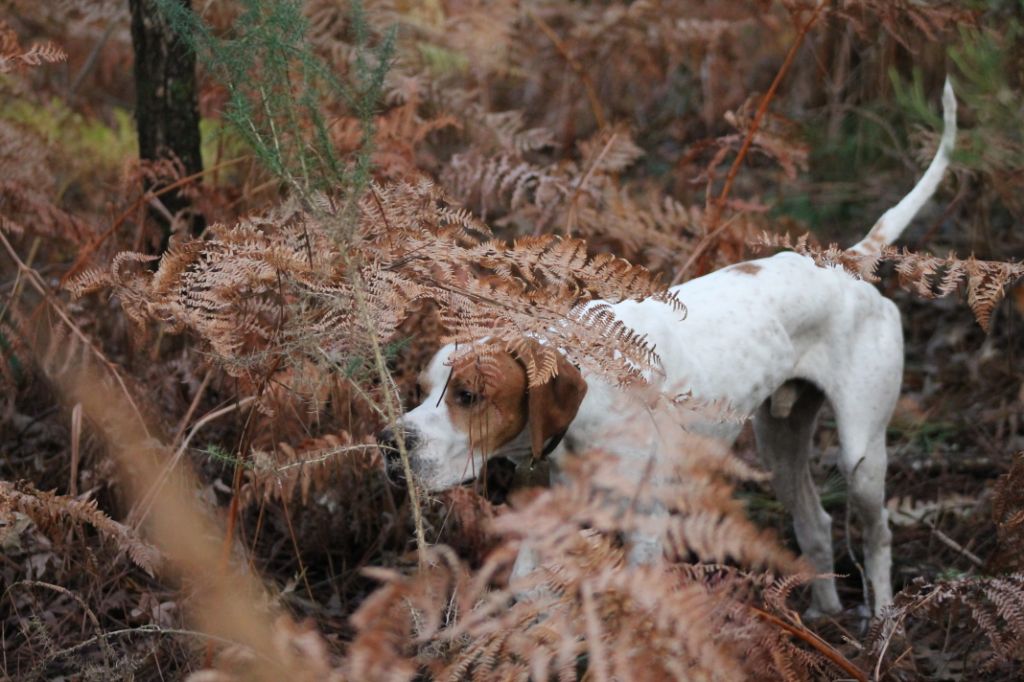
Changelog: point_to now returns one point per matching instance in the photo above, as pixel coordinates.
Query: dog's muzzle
(387, 442)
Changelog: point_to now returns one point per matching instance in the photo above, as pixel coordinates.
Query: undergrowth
(189, 484)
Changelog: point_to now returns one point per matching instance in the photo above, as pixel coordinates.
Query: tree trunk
(166, 102)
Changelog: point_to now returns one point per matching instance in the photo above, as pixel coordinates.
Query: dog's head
(476, 408)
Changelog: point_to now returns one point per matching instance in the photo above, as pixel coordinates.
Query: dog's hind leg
(863, 405)
(784, 443)
(864, 464)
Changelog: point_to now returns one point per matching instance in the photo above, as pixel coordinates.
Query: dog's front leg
(649, 515)
(527, 561)
(644, 548)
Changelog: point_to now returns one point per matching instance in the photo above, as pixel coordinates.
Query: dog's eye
(466, 398)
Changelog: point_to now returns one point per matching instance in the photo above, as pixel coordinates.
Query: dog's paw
(815, 612)
(864, 617)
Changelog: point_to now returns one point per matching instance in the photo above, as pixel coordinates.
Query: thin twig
(243, 450)
(391, 407)
(15, 297)
(703, 246)
(328, 454)
(570, 221)
(37, 283)
(956, 546)
(146, 501)
(108, 653)
(90, 61)
(574, 64)
(91, 247)
(762, 109)
(718, 205)
(193, 406)
(816, 642)
(76, 449)
(149, 628)
(896, 627)
(387, 383)
(298, 550)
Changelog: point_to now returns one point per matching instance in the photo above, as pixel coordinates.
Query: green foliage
(839, 162)
(7, 354)
(928, 435)
(220, 142)
(989, 66)
(442, 62)
(913, 98)
(76, 135)
(282, 95)
(106, 144)
(280, 92)
(357, 368)
(218, 453)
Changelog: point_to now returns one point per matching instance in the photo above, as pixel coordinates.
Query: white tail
(892, 223)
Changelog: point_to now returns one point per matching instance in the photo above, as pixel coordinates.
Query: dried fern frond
(77, 12)
(398, 133)
(926, 275)
(28, 187)
(584, 606)
(27, 210)
(51, 511)
(931, 276)
(994, 604)
(309, 465)
(775, 139)
(273, 294)
(907, 22)
(1008, 514)
(507, 188)
(12, 54)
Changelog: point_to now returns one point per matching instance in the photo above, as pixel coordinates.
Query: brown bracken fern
(52, 512)
(1008, 514)
(13, 55)
(924, 274)
(274, 295)
(996, 605)
(586, 608)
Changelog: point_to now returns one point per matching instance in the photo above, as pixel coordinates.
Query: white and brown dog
(772, 338)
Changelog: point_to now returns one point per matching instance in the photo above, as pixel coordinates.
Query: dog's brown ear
(553, 405)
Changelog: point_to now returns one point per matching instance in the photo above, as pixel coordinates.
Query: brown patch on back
(500, 414)
(747, 268)
(875, 240)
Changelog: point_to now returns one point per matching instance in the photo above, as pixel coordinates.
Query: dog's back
(776, 338)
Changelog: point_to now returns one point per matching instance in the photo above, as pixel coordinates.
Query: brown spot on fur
(747, 268)
(875, 240)
(875, 237)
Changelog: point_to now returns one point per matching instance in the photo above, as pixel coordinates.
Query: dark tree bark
(166, 101)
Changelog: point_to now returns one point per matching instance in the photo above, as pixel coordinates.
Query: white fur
(749, 330)
(890, 226)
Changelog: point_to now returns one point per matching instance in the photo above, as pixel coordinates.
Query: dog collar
(552, 444)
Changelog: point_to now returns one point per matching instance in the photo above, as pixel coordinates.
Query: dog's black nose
(387, 441)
